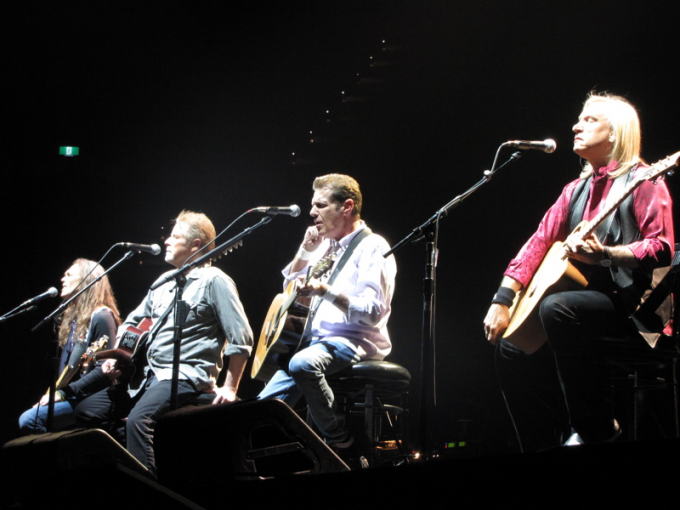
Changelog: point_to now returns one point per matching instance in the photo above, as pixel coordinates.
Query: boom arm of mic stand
(16, 312)
(451, 205)
(222, 247)
(488, 174)
(429, 300)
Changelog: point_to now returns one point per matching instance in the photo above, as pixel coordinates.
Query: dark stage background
(224, 106)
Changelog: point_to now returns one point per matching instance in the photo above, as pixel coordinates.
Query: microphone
(548, 145)
(153, 249)
(51, 292)
(292, 210)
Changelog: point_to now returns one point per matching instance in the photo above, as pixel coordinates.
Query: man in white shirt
(348, 319)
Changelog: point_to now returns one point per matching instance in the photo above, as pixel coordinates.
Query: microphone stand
(223, 248)
(182, 308)
(54, 366)
(15, 312)
(430, 232)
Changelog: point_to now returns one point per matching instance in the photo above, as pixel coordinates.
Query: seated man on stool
(622, 262)
(348, 319)
(216, 324)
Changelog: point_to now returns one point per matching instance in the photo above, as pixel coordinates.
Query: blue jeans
(306, 375)
(34, 421)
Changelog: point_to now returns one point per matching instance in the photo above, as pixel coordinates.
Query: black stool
(367, 388)
(634, 369)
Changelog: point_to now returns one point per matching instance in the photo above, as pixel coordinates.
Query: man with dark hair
(216, 323)
(349, 310)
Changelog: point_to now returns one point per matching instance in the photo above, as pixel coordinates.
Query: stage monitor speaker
(48, 470)
(204, 446)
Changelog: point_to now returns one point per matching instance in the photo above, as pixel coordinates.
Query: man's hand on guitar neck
(591, 251)
(315, 287)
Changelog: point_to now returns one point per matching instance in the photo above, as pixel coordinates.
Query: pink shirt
(652, 207)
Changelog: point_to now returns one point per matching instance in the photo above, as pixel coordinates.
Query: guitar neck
(66, 376)
(70, 371)
(595, 223)
(655, 171)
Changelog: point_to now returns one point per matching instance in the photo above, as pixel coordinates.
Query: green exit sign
(69, 151)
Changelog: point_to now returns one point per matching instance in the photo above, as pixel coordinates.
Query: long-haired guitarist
(618, 260)
(215, 324)
(348, 320)
(91, 317)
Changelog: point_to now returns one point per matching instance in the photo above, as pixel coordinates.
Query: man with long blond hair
(90, 317)
(216, 325)
(620, 259)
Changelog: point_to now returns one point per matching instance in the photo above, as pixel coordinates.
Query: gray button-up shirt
(216, 323)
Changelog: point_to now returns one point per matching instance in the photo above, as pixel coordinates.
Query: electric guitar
(556, 273)
(83, 363)
(287, 319)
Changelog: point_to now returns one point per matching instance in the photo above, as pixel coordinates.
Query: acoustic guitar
(130, 353)
(132, 339)
(286, 319)
(557, 274)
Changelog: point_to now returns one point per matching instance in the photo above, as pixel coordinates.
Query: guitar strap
(648, 303)
(365, 232)
(141, 347)
(610, 232)
(619, 228)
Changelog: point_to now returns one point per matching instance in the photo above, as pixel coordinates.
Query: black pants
(106, 408)
(559, 386)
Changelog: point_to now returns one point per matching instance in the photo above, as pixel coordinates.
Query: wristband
(303, 254)
(330, 295)
(504, 296)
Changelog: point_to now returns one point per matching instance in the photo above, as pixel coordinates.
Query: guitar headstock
(227, 250)
(321, 267)
(94, 347)
(97, 346)
(660, 168)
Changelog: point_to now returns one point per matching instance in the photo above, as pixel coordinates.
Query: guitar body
(83, 362)
(131, 348)
(555, 274)
(281, 332)
(286, 320)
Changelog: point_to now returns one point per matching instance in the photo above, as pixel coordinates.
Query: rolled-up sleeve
(231, 316)
(653, 213)
(374, 288)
